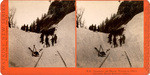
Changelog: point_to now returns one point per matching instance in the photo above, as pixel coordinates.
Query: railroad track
(104, 60)
(38, 60)
(58, 54)
(128, 59)
(62, 59)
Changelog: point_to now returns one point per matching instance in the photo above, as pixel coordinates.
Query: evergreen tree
(27, 28)
(38, 25)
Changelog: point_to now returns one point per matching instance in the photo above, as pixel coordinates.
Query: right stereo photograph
(110, 34)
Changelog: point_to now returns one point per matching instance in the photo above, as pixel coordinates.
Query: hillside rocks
(126, 11)
(57, 11)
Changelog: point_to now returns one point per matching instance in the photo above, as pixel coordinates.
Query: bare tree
(12, 12)
(80, 22)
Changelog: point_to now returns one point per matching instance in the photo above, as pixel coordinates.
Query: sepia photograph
(41, 33)
(110, 34)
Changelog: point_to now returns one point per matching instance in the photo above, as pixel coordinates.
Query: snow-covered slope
(135, 41)
(87, 56)
(66, 31)
(118, 57)
(20, 55)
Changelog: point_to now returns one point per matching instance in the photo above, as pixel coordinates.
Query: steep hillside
(126, 11)
(57, 11)
(135, 40)
(87, 56)
(19, 41)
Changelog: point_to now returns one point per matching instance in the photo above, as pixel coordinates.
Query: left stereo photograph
(41, 33)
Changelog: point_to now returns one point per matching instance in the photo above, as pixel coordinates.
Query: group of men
(53, 40)
(112, 39)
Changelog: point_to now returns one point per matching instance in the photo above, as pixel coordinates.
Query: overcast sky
(28, 11)
(97, 11)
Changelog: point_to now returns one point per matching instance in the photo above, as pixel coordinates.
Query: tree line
(104, 25)
(35, 26)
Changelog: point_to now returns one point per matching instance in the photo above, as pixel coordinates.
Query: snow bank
(87, 56)
(134, 36)
(19, 54)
